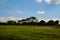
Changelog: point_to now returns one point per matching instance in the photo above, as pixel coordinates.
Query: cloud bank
(49, 1)
(52, 1)
(38, 1)
(3, 19)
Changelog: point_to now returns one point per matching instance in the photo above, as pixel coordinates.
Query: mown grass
(29, 33)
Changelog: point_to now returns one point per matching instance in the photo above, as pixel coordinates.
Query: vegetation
(29, 33)
(30, 21)
(30, 29)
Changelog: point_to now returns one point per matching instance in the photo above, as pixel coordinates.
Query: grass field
(29, 33)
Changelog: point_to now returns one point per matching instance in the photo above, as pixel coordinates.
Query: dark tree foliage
(23, 21)
(42, 22)
(2, 23)
(56, 22)
(19, 21)
(50, 22)
(11, 22)
(30, 21)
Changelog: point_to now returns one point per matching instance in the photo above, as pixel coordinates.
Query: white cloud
(11, 18)
(38, 1)
(49, 1)
(14, 18)
(4, 19)
(52, 1)
(40, 12)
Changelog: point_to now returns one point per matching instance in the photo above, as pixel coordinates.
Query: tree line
(30, 21)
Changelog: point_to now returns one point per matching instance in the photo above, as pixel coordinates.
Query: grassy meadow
(29, 33)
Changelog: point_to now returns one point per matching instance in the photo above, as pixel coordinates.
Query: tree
(23, 21)
(56, 22)
(27, 20)
(42, 22)
(31, 20)
(11, 22)
(19, 21)
(50, 22)
(2, 23)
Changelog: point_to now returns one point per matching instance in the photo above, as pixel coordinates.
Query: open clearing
(29, 33)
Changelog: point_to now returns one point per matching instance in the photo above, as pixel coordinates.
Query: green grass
(29, 33)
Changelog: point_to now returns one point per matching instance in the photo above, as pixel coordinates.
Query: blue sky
(44, 9)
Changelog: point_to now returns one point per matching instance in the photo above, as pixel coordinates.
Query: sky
(18, 9)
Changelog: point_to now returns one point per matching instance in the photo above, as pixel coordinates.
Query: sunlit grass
(29, 33)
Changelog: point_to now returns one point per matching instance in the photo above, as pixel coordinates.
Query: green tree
(50, 22)
(56, 22)
(19, 21)
(42, 22)
(33, 19)
(23, 21)
(11, 22)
